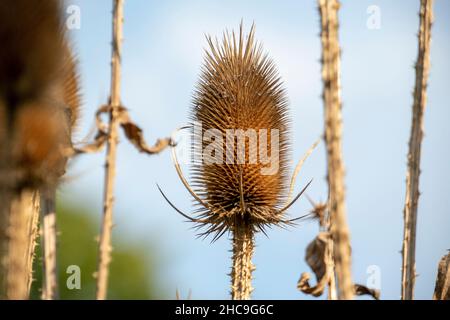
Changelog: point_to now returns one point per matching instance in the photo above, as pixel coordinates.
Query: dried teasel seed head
(239, 89)
(39, 99)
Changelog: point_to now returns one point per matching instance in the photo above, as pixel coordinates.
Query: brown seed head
(39, 98)
(239, 88)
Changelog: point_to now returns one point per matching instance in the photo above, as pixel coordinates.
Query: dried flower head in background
(39, 97)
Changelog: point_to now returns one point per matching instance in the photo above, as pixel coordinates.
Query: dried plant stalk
(21, 240)
(49, 234)
(415, 141)
(333, 129)
(332, 294)
(33, 232)
(241, 273)
(105, 246)
(5, 199)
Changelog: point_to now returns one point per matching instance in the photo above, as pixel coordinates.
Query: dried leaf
(442, 289)
(316, 255)
(361, 290)
(135, 136)
(132, 132)
(304, 286)
(316, 258)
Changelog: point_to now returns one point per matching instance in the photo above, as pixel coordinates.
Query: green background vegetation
(132, 271)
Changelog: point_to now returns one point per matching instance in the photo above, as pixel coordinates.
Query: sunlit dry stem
(333, 130)
(33, 233)
(241, 273)
(105, 246)
(49, 241)
(415, 141)
(332, 294)
(21, 234)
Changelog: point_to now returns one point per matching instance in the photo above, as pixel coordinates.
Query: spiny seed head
(39, 97)
(239, 88)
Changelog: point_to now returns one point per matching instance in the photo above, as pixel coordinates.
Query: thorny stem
(105, 247)
(241, 273)
(33, 232)
(332, 295)
(333, 129)
(49, 232)
(21, 234)
(412, 177)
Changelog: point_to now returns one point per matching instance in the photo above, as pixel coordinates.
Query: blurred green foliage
(132, 270)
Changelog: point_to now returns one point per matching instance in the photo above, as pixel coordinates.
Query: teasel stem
(415, 141)
(4, 240)
(105, 246)
(332, 294)
(49, 246)
(333, 129)
(18, 249)
(33, 233)
(241, 274)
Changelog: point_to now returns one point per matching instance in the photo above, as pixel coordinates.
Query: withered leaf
(442, 289)
(361, 290)
(133, 133)
(316, 257)
(135, 136)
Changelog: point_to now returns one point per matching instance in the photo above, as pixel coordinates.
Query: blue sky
(162, 54)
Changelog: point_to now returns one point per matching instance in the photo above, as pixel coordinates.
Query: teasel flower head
(240, 99)
(39, 93)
